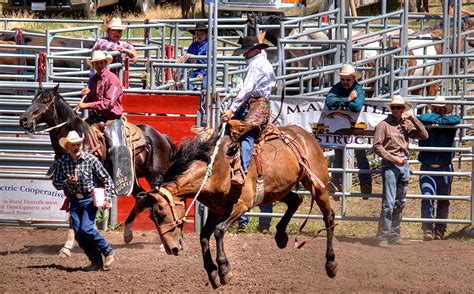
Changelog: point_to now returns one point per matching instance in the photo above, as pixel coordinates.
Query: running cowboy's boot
(121, 158)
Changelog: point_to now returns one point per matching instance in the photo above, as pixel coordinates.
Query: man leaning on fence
(350, 95)
(391, 143)
(78, 174)
(438, 162)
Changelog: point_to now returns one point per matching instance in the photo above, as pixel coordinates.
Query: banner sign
(31, 200)
(334, 127)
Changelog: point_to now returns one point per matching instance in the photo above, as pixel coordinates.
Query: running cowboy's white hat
(398, 100)
(438, 102)
(72, 137)
(349, 70)
(98, 56)
(114, 24)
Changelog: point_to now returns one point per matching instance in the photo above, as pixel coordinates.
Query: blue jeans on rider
(247, 141)
(435, 185)
(263, 221)
(395, 186)
(362, 163)
(83, 213)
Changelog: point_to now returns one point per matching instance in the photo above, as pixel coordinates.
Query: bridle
(36, 116)
(177, 222)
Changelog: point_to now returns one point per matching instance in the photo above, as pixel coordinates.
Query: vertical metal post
(446, 43)
(472, 188)
(215, 103)
(404, 47)
(113, 212)
(210, 77)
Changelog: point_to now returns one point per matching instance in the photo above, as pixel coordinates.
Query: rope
(209, 168)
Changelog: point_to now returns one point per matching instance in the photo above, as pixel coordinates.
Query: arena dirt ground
(29, 263)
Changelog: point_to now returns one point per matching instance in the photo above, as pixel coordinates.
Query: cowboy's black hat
(249, 43)
(199, 27)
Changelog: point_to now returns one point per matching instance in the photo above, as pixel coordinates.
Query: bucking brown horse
(290, 157)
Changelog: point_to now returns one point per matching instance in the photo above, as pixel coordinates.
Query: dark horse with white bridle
(151, 162)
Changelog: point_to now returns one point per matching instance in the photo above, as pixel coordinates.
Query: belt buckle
(435, 165)
(79, 196)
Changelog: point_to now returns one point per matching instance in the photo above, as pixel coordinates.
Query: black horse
(150, 162)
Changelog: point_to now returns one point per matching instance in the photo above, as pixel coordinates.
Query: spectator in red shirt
(104, 91)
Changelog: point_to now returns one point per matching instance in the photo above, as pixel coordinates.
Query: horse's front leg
(127, 232)
(225, 273)
(293, 201)
(209, 265)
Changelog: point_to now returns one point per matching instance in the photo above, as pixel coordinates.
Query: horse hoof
(214, 279)
(281, 240)
(127, 238)
(225, 278)
(331, 269)
(64, 253)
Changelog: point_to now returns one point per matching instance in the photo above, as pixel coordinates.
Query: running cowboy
(251, 105)
(103, 97)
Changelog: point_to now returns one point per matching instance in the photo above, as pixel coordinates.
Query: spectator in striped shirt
(112, 42)
(78, 173)
(250, 110)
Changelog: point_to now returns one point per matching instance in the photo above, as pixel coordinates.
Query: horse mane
(190, 151)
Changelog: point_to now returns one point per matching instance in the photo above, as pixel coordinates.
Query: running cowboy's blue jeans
(395, 186)
(435, 185)
(83, 213)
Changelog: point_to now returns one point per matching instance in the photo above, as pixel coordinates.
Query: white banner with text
(31, 200)
(331, 127)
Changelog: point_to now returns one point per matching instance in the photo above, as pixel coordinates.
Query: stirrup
(238, 177)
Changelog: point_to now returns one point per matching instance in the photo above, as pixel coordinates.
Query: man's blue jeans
(263, 222)
(192, 87)
(395, 186)
(362, 163)
(83, 213)
(435, 185)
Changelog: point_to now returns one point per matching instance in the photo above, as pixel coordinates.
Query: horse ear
(41, 85)
(251, 19)
(55, 89)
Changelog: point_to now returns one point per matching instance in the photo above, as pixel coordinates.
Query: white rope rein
(209, 167)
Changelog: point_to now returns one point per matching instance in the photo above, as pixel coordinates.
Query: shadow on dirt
(57, 266)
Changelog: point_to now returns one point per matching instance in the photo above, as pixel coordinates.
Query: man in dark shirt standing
(438, 162)
(78, 174)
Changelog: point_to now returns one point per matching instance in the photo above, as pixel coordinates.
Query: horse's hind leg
(209, 265)
(293, 201)
(321, 197)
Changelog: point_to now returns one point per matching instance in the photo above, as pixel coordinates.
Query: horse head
(168, 215)
(42, 109)
(272, 34)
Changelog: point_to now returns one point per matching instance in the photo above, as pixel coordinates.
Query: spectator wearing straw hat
(391, 143)
(112, 42)
(104, 92)
(437, 162)
(199, 47)
(78, 173)
(349, 94)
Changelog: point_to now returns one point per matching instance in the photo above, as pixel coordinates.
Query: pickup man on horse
(250, 109)
(103, 97)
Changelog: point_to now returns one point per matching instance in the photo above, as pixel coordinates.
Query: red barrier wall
(172, 115)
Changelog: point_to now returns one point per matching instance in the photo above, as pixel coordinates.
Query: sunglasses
(346, 80)
(396, 107)
(116, 31)
(436, 109)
